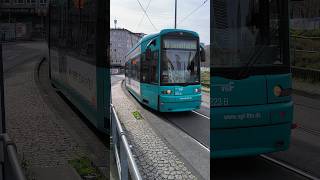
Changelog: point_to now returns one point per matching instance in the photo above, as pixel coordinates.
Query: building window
(19, 1)
(30, 1)
(43, 1)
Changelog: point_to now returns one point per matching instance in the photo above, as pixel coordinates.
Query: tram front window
(180, 62)
(248, 32)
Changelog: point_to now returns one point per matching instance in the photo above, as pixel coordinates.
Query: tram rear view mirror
(148, 54)
(202, 54)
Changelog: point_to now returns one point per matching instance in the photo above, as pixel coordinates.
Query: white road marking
(203, 146)
(201, 114)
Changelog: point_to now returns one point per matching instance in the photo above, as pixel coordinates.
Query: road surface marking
(201, 114)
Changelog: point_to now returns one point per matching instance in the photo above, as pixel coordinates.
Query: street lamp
(175, 15)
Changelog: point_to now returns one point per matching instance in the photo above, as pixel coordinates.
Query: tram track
(309, 130)
(310, 103)
(289, 167)
(307, 106)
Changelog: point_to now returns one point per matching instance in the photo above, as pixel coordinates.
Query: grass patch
(25, 165)
(205, 79)
(85, 168)
(306, 33)
(306, 59)
(137, 115)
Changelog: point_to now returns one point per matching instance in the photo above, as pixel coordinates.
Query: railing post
(2, 155)
(2, 116)
(124, 162)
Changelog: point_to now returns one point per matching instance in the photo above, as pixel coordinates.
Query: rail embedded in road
(291, 168)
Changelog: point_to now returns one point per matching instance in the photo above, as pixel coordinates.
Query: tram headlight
(277, 90)
(167, 91)
(197, 90)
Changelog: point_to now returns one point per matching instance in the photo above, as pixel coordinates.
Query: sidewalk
(46, 137)
(42, 143)
(154, 157)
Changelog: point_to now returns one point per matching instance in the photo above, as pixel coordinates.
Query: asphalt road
(194, 123)
(251, 168)
(304, 151)
(18, 53)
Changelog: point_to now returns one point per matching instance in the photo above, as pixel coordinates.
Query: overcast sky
(161, 12)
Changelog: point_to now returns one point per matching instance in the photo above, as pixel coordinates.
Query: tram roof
(162, 32)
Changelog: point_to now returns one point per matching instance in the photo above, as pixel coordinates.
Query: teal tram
(162, 71)
(251, 106)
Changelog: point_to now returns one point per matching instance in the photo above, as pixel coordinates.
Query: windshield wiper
(255, 57)
(251, 62)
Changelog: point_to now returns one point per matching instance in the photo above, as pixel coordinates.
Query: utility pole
(115, 24)
(2, 108)
(175, 15)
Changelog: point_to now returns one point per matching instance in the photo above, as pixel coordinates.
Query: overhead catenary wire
(147, 15)
(193, 11)
(142, 18)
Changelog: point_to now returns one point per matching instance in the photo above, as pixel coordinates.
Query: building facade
(305, 9)
(305, 14)
(121, 42)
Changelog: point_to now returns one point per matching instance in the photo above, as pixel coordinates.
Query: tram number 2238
(220, 101)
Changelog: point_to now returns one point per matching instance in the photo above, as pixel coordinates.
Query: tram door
(149, 79)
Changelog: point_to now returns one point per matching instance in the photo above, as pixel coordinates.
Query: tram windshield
(247, 33)
(180, 62)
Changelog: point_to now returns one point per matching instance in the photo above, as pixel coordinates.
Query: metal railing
(312, 75)
(11, 168)
(125, 161)
(303, 56)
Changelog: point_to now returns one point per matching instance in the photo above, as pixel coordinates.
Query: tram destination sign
(180, 44)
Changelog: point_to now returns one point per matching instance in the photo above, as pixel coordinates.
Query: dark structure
(305, 9)
(29, 14)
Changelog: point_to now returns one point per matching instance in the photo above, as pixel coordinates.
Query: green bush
(306, 33)
(84, 167)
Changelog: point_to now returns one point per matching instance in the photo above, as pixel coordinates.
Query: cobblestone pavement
(46, 136)
(39, 137)
(154, 158)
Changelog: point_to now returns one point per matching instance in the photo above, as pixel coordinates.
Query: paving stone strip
(39, 137)
(154, 158)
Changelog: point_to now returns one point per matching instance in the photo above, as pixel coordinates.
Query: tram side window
(130, 69)
(153, 67)
(133, 69)
(138, 69)
(135, 63)
(145, 77)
